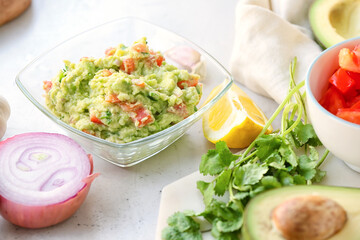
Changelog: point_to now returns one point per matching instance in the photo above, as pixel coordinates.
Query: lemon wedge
(235, 119)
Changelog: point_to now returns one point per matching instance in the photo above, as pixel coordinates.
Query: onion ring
(44, 178)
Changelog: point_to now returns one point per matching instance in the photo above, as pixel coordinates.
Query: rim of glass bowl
(311, 95)
(140, 141)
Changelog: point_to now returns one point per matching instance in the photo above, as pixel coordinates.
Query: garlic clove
(185, 57)
(4, 115)
(4, 108)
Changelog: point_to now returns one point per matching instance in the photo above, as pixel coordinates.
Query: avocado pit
(309, 217)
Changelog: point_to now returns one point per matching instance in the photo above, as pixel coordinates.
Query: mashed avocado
(128, 94)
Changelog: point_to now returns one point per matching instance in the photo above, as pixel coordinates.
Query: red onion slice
(44, 178)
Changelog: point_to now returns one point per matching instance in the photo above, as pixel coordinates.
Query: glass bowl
(93, 43)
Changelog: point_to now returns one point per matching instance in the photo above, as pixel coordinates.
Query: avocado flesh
(345, 17)
(333, 21)
(257, 217)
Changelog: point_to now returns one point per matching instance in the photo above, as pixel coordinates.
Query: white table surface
(123, 203)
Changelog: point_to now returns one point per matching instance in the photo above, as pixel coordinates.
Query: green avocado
(258, 224)
(333, 21)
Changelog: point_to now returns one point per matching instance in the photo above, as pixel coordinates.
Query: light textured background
(122, 203)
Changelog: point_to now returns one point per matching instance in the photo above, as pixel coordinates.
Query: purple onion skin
(43, 216)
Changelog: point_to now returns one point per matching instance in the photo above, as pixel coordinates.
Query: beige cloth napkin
(268, 35)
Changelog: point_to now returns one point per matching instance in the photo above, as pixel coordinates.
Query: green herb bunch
(283, 158)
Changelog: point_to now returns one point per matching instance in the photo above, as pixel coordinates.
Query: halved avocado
(258, 223)
(333, 21)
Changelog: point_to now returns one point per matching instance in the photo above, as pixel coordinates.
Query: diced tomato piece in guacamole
(110, 51)
(192, 82)
(142, 117)
(140, 48)
(47, 85)
(128, 65)
(95, 119)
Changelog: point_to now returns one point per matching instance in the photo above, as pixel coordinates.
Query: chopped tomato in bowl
(343, 95)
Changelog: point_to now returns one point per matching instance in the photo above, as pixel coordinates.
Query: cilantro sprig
(284, 158)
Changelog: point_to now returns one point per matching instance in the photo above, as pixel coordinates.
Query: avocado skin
(244, 233)
(257, 215)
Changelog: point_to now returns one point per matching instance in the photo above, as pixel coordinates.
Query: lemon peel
(234, 119)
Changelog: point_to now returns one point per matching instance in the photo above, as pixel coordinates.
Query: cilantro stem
(246, 158)
(298, 96)
(305, 114)
(322, 159)
(293, 112)
(291, 106)
(298, 119)
(275, 114)
(233, 199)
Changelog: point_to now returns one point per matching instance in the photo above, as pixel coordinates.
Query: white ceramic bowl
(341, 137)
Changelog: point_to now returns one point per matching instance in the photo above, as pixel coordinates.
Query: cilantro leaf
(288, 154)
(275, 161)
(308, 174)
(182, 222)
(267, 144)
(319, 175)
(299, 179)
(250, 173)
(314, 155)
(256, 190)
(216, 160)
(226, 218)
(181, 227)
(207, 190)
(286, 179)
(223, 235)
(270, 182)
(229, 225)
(306, 163)
(241, 195)
(171, 233)
(218, 209)
(222, 182)
(304, 133)
(307, 167)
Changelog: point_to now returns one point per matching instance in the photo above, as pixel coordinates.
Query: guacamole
(128, 94)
